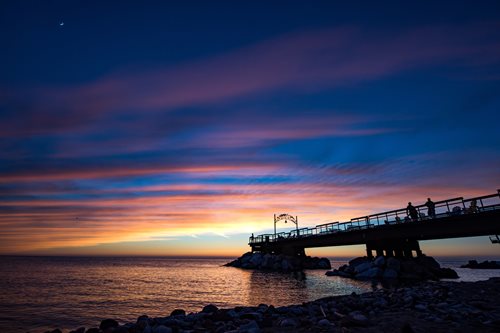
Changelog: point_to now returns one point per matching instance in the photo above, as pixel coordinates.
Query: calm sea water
(38, 293)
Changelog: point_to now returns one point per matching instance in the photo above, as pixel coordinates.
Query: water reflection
(291, 288)
(42, 293)
(276, 288)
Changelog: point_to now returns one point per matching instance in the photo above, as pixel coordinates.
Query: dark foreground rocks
(426, 307)
(389, 268)
(280, 262)
(482, 265)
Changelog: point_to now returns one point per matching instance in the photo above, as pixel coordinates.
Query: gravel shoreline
(425, 307)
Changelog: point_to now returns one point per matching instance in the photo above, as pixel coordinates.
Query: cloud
(170, 152)
(305, 61)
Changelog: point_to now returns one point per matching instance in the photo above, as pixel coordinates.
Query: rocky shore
(396, 269)
(482, 265)
(425, 307)
(280, 262)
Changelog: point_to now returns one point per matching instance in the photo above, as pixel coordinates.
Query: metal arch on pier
(393, 232)
(286, 217)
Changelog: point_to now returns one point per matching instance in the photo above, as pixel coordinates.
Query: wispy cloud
(170, 152)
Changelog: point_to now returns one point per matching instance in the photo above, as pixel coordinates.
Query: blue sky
(197, 122)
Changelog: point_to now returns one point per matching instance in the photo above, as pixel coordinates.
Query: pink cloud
(311, 60)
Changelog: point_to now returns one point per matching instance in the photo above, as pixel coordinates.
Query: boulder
(251, 326)
(379, 261)
(288, 322)
(362, 267)
(483, 265)
(371, 273)
(108, 323)
(337, 273)
(162, 329)
(93, 330)
(278, 262)
(78, 330)
(428, 262)
(447, 273)
(324, 323)
(324, 263)
(256, 259)
(178, 312)
(210, 308)
(390, 274)
(359, 260)
(393, 263)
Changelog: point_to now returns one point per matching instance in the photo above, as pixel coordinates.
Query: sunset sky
(153, 128)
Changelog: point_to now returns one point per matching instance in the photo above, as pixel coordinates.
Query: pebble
(324, 323)
(431, 305)
(421, 307)
(288, 322)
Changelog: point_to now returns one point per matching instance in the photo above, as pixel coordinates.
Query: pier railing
(443, 208)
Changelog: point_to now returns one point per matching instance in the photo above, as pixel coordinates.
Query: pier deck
(392, 233)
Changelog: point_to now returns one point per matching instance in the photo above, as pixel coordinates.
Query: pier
(391, 233)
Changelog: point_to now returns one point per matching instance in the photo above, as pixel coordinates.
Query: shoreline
(424, 307)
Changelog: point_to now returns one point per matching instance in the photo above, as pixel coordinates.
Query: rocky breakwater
(395, 269)
(424, 307)
(482, 265)
(279, 262)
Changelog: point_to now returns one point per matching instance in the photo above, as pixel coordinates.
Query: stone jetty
(396, 269)
(279, 262)
(425, 307)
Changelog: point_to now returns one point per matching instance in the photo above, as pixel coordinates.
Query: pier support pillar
(398, 248)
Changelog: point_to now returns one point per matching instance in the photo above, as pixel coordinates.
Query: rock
(78, 330)
(379, 261)
(297, 310)
(407, 329)
(324, 263)
(421, 307)
(324, 323)
(279, 262)
(483, 265)
(285, 265)
(390, 274)
(288, 322)
(393, 263)
(256, 259)
(108, 323)
(371, 273)
(447, 273)
(359, 317)
(162, 329)
(252, 316)
(210, 309)
(362, 267)
(428, 262)
(251, 326)
(337, 273)
(142, 322)
(178, 312)
(359, 260)
(92, 330)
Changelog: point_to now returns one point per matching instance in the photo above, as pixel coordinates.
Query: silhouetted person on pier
(251, 237)
(412, 211)
(473, 208)
(431, 208)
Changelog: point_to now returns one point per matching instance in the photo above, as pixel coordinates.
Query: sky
(162, 128)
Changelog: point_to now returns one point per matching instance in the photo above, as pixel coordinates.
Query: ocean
(41, 293)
